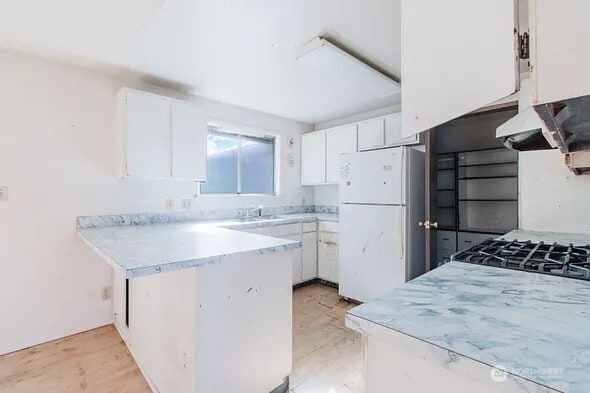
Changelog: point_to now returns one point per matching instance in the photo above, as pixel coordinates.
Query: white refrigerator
(381, 202)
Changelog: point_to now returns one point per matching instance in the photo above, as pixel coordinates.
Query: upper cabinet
(320, 154)
(189, 142)
(371, 134)
(393, 132)
(146, 134)
(464, 60)
(321, 150)
(559, 54)
(161, 138)
(313, 158)
(338, 140)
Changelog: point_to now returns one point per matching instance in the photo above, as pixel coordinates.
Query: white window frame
(239, 131)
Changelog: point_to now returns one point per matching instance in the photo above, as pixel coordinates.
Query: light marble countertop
(526, 322)
(140, 250)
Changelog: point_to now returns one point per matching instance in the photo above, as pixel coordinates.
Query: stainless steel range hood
(526, 130)
(563, 125)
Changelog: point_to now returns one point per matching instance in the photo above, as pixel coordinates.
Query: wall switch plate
(186, 204)
(169, 204)
(107, 293)
(3, 193)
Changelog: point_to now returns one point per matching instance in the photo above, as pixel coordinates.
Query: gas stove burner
(556, 259)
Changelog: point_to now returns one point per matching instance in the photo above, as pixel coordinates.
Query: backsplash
(193, 215)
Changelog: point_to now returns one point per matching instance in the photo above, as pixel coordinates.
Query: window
(239, 164)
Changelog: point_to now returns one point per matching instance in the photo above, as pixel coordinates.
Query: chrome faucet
(258, 211)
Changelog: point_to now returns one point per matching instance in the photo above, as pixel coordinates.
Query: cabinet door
(189, 142)
(464, 60)
(313, 158)
(310, 255)
(393, 131)
(371, 134)
(559, 56)
(328, 256)
(297, 260)
(338, 141)
(147, 135)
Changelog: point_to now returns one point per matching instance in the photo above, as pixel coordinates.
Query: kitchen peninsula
(202, 307)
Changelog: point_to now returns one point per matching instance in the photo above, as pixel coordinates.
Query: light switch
(3, 193)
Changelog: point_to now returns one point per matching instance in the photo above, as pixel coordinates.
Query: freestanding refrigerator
(381, 202)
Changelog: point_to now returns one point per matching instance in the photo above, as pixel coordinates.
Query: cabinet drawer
(285, 230)
(467, 239)
(446, 240)
(494, 156)
(328, 226)
(258, 231)
(310, 227)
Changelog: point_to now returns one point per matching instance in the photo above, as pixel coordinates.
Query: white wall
(551, 197)
(57, 156)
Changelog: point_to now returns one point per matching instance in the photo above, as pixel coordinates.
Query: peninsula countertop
(139, 250)
(520, 320)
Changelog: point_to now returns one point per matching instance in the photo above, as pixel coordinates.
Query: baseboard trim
(316, 281)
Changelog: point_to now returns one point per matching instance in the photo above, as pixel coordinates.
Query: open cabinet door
(457, 56)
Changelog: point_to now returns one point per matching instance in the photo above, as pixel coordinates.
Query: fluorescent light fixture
(322, 54)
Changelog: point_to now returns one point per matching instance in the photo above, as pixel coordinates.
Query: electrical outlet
(186, 204)
(107, 293)
(3, 193)
(169, 204)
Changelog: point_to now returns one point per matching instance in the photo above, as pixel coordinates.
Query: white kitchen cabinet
(297, 260)
(328, 256)
(313, 158)
(161, 138)
(146, 131)
(189, 142)
(371, 134)
(393, 132)
(338, 140)
(310, 255)
(559, 55)
(469, 62)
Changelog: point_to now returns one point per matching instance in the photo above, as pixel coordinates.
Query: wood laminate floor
(326, 356)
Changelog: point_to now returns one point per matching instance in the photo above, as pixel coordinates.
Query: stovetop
(556, 259)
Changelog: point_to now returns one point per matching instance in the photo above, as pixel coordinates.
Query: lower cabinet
(297, 260)
(318, 255)
(309, 245)
(328, 256)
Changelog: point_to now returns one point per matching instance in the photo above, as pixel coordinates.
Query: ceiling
(242, 52)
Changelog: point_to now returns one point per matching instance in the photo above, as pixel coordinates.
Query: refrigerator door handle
(401, 231)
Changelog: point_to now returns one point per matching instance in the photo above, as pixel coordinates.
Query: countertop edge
(384, 333)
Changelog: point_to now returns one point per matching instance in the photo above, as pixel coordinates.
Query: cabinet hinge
(523, 46)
